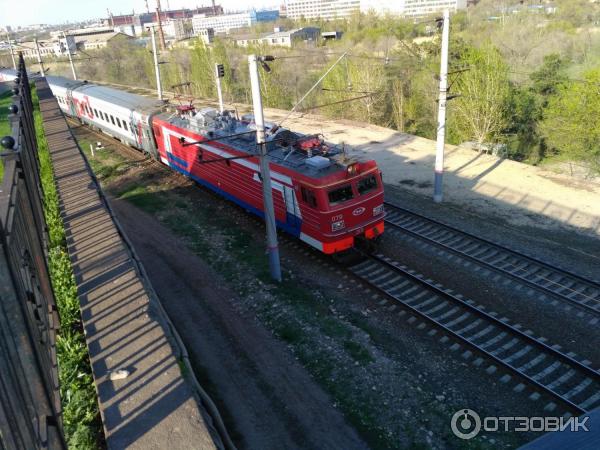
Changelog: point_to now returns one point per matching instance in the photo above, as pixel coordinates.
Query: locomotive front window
(309, 197)
(367, 184)
(340, 195)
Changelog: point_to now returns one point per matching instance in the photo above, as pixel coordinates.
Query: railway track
(572, 289)
(569, 381)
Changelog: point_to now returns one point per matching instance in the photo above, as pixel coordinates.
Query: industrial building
(339, 9)
(147, 17)
(321, 9)
(224, 23)
(281, 38)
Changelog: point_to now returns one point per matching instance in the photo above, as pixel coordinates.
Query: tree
(481, 111)
(356, 77)
(527, 106)
(570, 124)
(550, 76)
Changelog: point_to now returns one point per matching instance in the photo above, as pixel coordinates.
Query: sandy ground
(520, 194)
(269, 396)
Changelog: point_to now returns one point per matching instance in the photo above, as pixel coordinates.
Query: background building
(102, 40)
(207, 35)
(226, 22)
(282, 38)
(141, 19)
(424, 7)
(321, 9)
(49, 47)
(172, 28)
(336, 9)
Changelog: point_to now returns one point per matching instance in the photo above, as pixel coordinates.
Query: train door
(145, 137)
(293, 215)
(71, 103)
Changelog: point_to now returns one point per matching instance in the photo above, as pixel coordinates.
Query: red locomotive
(320, 195)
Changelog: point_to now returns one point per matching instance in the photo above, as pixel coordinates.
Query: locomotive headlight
(337, 226)
(378, 210)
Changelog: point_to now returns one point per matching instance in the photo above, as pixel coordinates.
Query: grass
(358, 352)
(81, 418)
(5, 101)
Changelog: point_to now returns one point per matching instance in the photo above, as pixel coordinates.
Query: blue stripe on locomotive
(292, 225)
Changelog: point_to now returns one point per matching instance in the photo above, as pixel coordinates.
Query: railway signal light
(220, 73)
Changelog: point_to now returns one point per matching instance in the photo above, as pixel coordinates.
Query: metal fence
(30, 412)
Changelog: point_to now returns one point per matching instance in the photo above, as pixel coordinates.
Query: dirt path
(260, 388)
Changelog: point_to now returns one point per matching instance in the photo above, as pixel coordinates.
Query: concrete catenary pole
(156, 65)
(39, 58)
(12, 52)
(218, 69)
(70, 57)
(441, 130)
(265, 172)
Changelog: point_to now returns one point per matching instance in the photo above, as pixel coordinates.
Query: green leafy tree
(550, 76)
(527, 106)
(570, 124)
(481, 111)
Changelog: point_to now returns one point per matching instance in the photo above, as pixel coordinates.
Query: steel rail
(565, 359)
(532, 261)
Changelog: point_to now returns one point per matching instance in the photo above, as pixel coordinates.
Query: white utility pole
(70, 58)
(218, 75)
(12, 52)
(265, 173)
(39, 58)
(441, 130)
(156, 65)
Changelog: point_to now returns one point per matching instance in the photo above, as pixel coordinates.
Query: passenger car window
(340, 195)
(125, 126)
(112, 119)
(367, 184)
(309, 197)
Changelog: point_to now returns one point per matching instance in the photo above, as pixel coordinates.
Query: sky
(26, 12)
